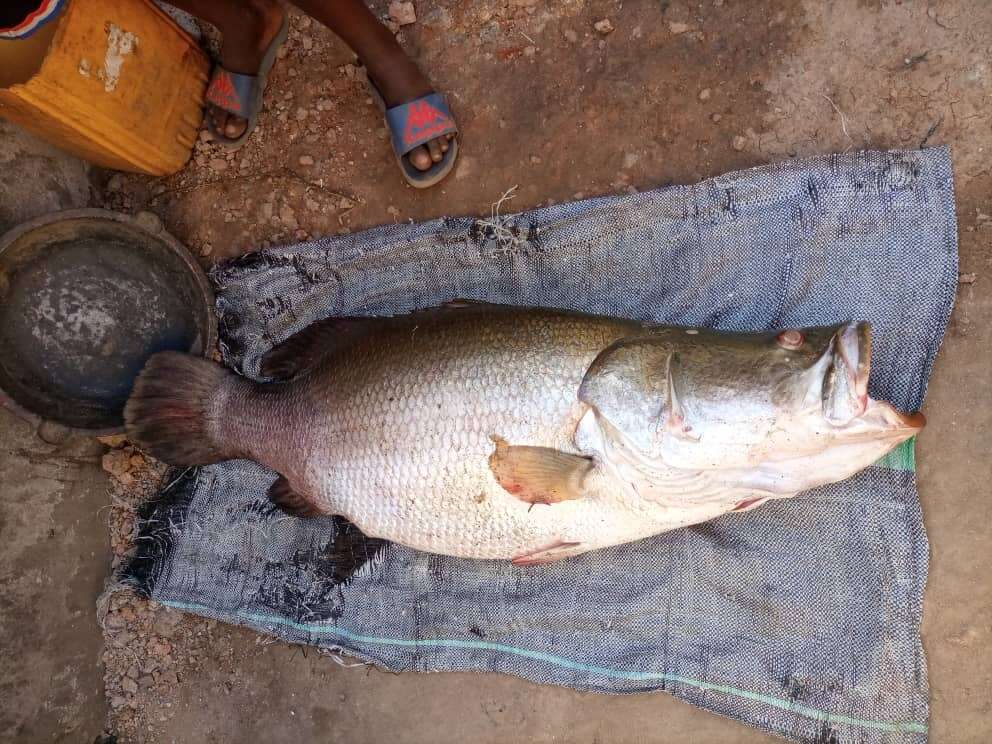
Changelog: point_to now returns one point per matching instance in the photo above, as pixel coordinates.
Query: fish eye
(790, 339)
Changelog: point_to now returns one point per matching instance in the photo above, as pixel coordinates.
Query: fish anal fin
(546, 554)
(291, 501)
(350, 550)
(539, 475)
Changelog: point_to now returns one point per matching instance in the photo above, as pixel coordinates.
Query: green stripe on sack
(318, 629)
(902, 457)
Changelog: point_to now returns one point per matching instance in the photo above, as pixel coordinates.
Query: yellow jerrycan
(115, 82)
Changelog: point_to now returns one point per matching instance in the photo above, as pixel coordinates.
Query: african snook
(525, 434)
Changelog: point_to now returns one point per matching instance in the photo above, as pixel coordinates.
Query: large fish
(524, 434)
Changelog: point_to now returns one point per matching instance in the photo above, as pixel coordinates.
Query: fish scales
(407, 417)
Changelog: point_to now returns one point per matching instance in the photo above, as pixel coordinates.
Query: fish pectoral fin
(291, 501)
(539, 475)
(547, 554)
(674, 421)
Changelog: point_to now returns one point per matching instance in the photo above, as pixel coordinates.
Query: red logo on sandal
(222, 93)
(423, 122)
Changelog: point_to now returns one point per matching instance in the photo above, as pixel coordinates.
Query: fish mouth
(890, 421)
(845, 391)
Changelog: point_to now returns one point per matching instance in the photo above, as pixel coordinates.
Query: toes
(219, 119)
(235, 127)
(434, 147)
(227, 124)
(420, 158)
(427, 155)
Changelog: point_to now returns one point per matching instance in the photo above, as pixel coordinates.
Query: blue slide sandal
(414, 124)
(240, 94)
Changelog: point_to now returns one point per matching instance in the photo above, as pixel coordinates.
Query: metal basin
(86, 296)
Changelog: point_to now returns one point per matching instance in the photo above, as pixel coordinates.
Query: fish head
(775, 412)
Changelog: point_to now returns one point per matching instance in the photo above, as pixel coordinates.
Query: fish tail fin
(172, 411)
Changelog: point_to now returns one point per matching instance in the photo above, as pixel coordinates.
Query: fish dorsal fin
(633, 385)
(539, 475)
(461, 304)
(305, 349)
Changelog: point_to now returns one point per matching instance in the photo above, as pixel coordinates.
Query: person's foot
(396, 76)
(400, 81)
(242, 49)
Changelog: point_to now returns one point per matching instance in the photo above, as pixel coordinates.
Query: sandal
(414, 124)
(241, 94)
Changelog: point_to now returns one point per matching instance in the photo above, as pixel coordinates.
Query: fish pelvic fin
(291, 501)
(169, 414)
(550, 553)
(539, 475)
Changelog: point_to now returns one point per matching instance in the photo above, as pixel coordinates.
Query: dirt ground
(675, 93)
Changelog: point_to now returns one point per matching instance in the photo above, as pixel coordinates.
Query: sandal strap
(232, 91)
(418, 122)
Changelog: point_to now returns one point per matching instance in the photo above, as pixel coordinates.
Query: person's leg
(247, 28)
(394, 73)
